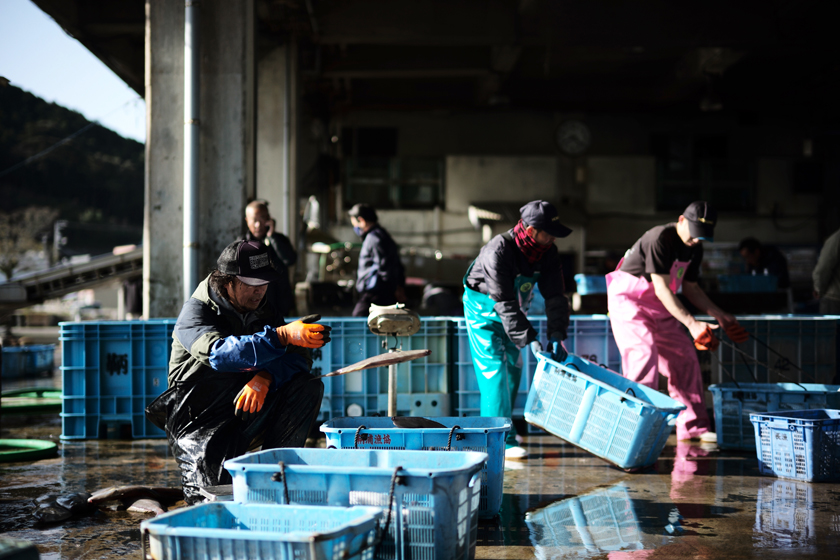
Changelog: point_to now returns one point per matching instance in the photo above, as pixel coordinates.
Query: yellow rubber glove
(251, 398)
(304, 332)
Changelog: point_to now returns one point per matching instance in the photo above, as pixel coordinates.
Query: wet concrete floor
(560, 503)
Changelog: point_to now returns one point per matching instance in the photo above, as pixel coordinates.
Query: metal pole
(392, 389)
(191, 144)
(287, 134)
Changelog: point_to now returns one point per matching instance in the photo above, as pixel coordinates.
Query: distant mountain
(95, 178)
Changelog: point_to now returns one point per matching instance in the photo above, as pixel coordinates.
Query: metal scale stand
(392, 320)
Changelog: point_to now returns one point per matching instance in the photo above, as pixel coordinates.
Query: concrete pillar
(275, 183)
(226, 174)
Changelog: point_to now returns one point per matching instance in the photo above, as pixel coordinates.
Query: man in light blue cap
(497, 293)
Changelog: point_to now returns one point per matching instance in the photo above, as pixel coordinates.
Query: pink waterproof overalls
(652, 341)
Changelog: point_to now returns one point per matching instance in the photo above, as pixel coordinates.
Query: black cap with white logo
(702, 218)
(543, 216)
(249, 262)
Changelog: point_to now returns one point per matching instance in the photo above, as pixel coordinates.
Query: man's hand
(304, 332)
(732, 328)
(555, 346)
(536, 347)
(706, 339)
(251, 398)
(271, 225)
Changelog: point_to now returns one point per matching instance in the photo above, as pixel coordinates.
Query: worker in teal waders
(498, 290)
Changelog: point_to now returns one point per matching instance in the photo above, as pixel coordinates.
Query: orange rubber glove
(736, 332)
(251, 398)
(707, 340)
(304, 332)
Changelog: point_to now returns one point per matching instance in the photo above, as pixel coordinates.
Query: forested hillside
(95, 178)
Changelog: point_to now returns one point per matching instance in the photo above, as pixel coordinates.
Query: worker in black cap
(647, 317)
(380, 278)
(239, 375)
(497, 293)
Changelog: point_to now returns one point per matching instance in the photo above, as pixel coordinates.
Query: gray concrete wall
(273, 176)
(227, 140)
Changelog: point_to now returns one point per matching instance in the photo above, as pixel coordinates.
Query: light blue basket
(800, 445)
(234, 531)
(598, 410)
(435, 493)
(735, 402)
(485, 435)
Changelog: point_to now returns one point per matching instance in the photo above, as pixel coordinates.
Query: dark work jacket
(207, 319)
(380, 269)
(493, 273)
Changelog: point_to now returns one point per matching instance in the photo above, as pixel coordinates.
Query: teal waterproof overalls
(497, 360)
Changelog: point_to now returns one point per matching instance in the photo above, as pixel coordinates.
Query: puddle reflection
(591, 524)
(784, 515)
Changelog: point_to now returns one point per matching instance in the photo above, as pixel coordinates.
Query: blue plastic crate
(734, 403)
(589, 337)
(485, 435)
(39, 358)
(20, 361)
(811, 343)
(14, 361)
(800, 445)
(423, 385)
(234, 531)
(747, 283)
(434, 506)
(600, 411)
(591, 284)
(110, 371)
(597, 522)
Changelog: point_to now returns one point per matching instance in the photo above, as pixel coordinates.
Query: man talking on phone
(261, 228)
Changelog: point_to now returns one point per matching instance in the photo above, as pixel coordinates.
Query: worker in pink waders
(646, 315)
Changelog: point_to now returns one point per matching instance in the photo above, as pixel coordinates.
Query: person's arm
(675, 306)
(826, 264)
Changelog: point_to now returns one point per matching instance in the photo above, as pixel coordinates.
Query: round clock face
(573, 137)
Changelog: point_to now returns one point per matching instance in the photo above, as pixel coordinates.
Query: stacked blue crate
(110, 372)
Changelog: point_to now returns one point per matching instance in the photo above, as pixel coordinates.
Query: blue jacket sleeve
(256, 352)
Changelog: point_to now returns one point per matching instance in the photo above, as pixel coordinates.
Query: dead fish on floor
(53, 508)
(146, 505)
(133, 493)
(415, 422)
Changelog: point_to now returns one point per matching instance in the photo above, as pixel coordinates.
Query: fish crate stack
(481, 434)
(110, 372)
(430, 498)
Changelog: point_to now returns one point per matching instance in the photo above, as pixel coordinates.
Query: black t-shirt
(656, 250)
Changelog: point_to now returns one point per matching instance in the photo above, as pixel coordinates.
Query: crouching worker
(239, 376)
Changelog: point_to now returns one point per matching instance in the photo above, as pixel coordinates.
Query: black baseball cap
(543, 215)
(702, 218)
(363, 211)
(249, 262)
